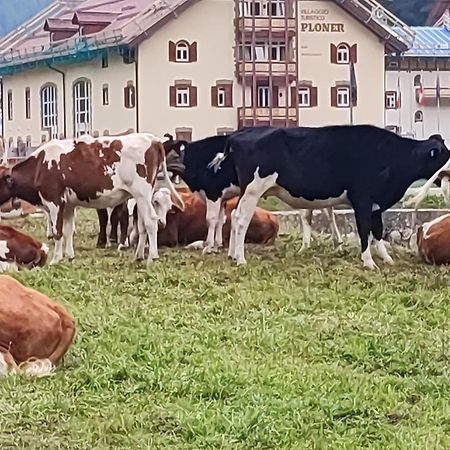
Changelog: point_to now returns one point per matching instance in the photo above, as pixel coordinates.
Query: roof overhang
(93, 18)
(394, 41)
(59, 25)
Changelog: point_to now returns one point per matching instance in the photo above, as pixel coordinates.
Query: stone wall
(399, 224)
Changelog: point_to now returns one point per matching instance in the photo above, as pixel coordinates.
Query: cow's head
(6, 184)
(175, 154)
(163, 203)
(433, 154)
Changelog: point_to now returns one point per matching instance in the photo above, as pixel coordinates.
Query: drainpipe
(63, 96)
(1, 106)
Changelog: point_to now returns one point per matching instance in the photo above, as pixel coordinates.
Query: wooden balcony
(263, 69)
(262, 25)
(267, 114)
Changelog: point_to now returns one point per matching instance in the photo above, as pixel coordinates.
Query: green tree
(413, 12)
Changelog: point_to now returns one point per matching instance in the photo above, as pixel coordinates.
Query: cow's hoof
(54, 262)
(122, 247)
(389, 261)
(101, 244)
(207, 250)
(370, 265)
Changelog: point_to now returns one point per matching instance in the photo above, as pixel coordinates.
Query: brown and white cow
(35, 332)
(433, 240)
(18, 249)
(93, 173)
(190, 226)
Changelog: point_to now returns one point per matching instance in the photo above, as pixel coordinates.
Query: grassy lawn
(290, 352)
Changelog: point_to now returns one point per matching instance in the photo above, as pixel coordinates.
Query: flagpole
(398, 101)
(353, 89)
(438, 98)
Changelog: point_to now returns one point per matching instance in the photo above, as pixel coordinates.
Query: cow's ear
(437, 137)
(9, 181)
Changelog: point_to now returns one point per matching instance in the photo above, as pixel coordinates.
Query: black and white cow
(217, 183)
(363, 166)
(192, 161)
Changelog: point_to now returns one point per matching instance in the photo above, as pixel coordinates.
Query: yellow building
(194, 68)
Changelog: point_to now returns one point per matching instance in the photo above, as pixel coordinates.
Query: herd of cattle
(367, 168)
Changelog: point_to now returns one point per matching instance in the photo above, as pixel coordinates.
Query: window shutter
(386, 95)
(173, 96)
(172, 51)
(294, 96)
(354, 53)
(313, 96)
(213, 95)
(333, 54)
(334, 96)
(275, 96)
(193, 95)
(228, 95)
(193, 52)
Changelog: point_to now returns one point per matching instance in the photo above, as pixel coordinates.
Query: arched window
(418, 117)
(182, 51)
(129, 95)
(343, 54)
(417, 80)
(49, 113)
(82, 107)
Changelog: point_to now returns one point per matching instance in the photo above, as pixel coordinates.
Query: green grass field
(293, 351)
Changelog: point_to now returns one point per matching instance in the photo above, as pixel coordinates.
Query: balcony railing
(265, 114)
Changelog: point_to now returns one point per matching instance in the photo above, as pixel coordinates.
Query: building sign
(316, 21)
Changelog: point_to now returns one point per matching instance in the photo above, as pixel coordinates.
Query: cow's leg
(246, 209)
(123, 222)
(306, 219)
(141, 239)
(233, 223)
(334, 228)
(56, 214)
(114, 223)
(68, 230)
(377, 231)
(50, 234)
(212, 219)
(219, 228)
(150, 221)
(363, 215)
(67, 335)
(103, 222)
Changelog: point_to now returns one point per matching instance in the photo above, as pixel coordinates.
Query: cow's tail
(220, 158)
(423, 191)
(176, 195)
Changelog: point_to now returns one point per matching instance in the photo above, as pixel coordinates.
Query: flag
(421, 97)
(398, 102)
(353, 84)
(438, 87)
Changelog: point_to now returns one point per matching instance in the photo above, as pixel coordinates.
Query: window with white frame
(261, 51)
(278, 8)
(10, 105)
(182, 98)
(343, 54)
(278, 51)
(27, 103)
(82, 107)
(304, 97)
(105, 95)
(182, 52)
(49, 110)
(250, 8)
(221, 96)
(343, 97)
(391, 100)
(263, 97)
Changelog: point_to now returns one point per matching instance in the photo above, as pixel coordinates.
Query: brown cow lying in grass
(35, 332)
(18, 249)
(189, 226)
